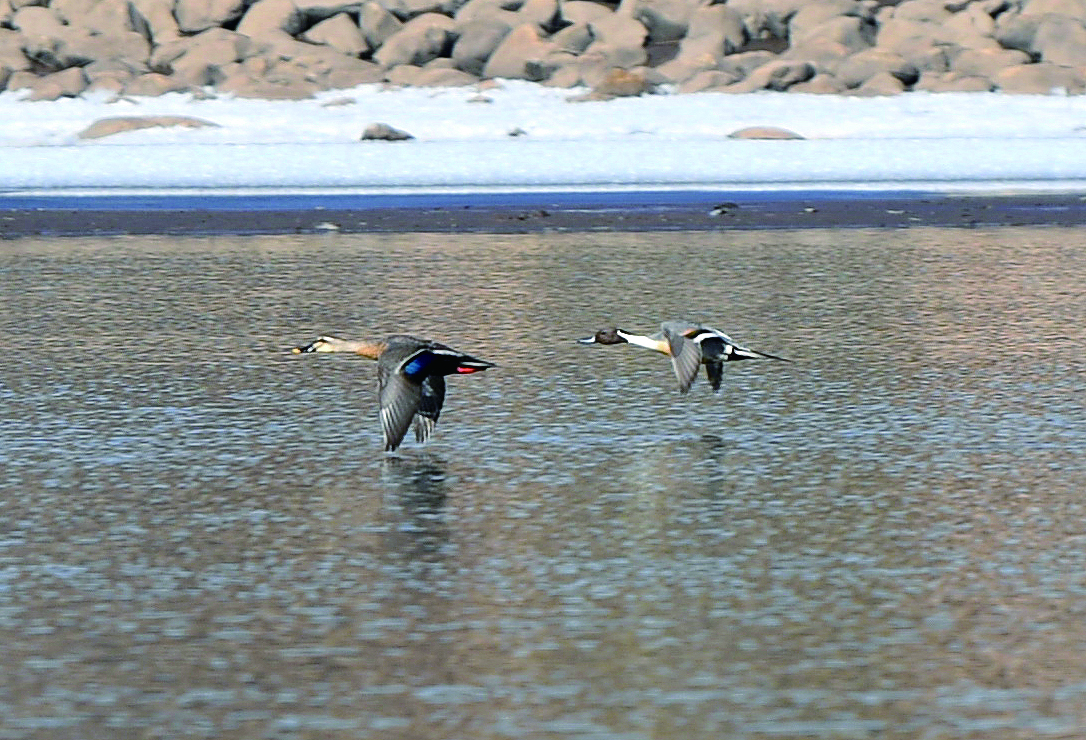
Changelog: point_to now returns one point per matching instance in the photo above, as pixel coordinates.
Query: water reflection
(201, 537)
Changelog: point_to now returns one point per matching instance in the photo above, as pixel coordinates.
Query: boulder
(1061, 40)
(573, 38)
(808, 18)
(473, 9)
(194, 16)
(522, 54)
(348, 72)
(1040, 79)
(11, 50)
(377, 24)
(986, 62)
(405, 10)
(882, 83)
(767, 18)
(478, 40)
(764, 132)
(111, 126)
(339, 32)
(94, 16)
(582, 11)
(665, 20)
(821, 84)
(421, 39)
(154, 19)
(1072, 8)
(384, 132)
(67, 83)
(779, 74)
(271, 18)
(444, 77)
(714, 30)
(202, 56)
(153, 84)
(862, 66)
(709, 79)
(543, 13)
(849, 32)
(938, 82)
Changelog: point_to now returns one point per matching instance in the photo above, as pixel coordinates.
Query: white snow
(963, 141)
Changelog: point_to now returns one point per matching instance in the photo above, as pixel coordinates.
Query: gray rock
(665, 20)
(767, 18)
(120, 124)
(384, 132)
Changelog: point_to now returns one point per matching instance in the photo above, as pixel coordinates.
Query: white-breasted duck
(410, 379)
(689, 346)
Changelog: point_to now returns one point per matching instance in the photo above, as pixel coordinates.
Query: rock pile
(294, 48)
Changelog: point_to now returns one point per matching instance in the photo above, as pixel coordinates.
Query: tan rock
(348, 72)
(862, 66)
(882, 83)
(820, 84)
(939, 82)
(67, 83)
(986, 62)
(154, 19)
(339, 32)
(421, 39)
(120, 124)
(94, 16)
(709, 79)
(403, 75)
(575, 38)
(764, 132)
(543, 13)
(522, 54)
(377, 24)
(11, 50)
(1040, 79)
(408, 9)
(204, 55)
(268, 18)
(777, 75)
(477, 41)
(850, 32)
(763, 18)
(1061, 40)
(665, 20)
(715, 30)
(444, 77)
(153, 84)
(582, 11)
(194, 16)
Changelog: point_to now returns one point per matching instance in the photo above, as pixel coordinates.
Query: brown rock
(444, 77)
(715, 30)
(709, 79)
(575, 38)
(862, 66)
(986, 62)
(583, 11)
(153, 84)
(154, 19)
(1061, 40)
(267, 18)
(622, 83)
(67, 83)
(764, 132)
(109, 126)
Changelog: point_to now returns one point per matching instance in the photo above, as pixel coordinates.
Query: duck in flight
(689, 346)
(410, 379)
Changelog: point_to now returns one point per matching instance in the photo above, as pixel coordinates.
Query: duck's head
(612, 335)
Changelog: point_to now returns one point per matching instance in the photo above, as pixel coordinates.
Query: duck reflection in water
(416, 488)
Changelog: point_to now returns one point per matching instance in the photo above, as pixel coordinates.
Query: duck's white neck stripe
(646, 342)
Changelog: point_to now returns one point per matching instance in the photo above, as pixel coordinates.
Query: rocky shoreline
(292, 49)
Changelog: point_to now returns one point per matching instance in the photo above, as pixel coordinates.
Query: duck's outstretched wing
(685, 356)
(400, 400)
(432, 396)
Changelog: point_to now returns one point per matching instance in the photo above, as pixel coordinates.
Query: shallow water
(885, 538)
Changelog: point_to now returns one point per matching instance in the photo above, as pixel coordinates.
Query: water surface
(199, 535)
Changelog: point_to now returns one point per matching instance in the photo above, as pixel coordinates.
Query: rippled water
(201, 538)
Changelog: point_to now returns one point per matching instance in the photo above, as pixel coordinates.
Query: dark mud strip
(527, 212)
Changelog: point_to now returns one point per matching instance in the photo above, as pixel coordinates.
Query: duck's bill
(474, 366)
(587, 340)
